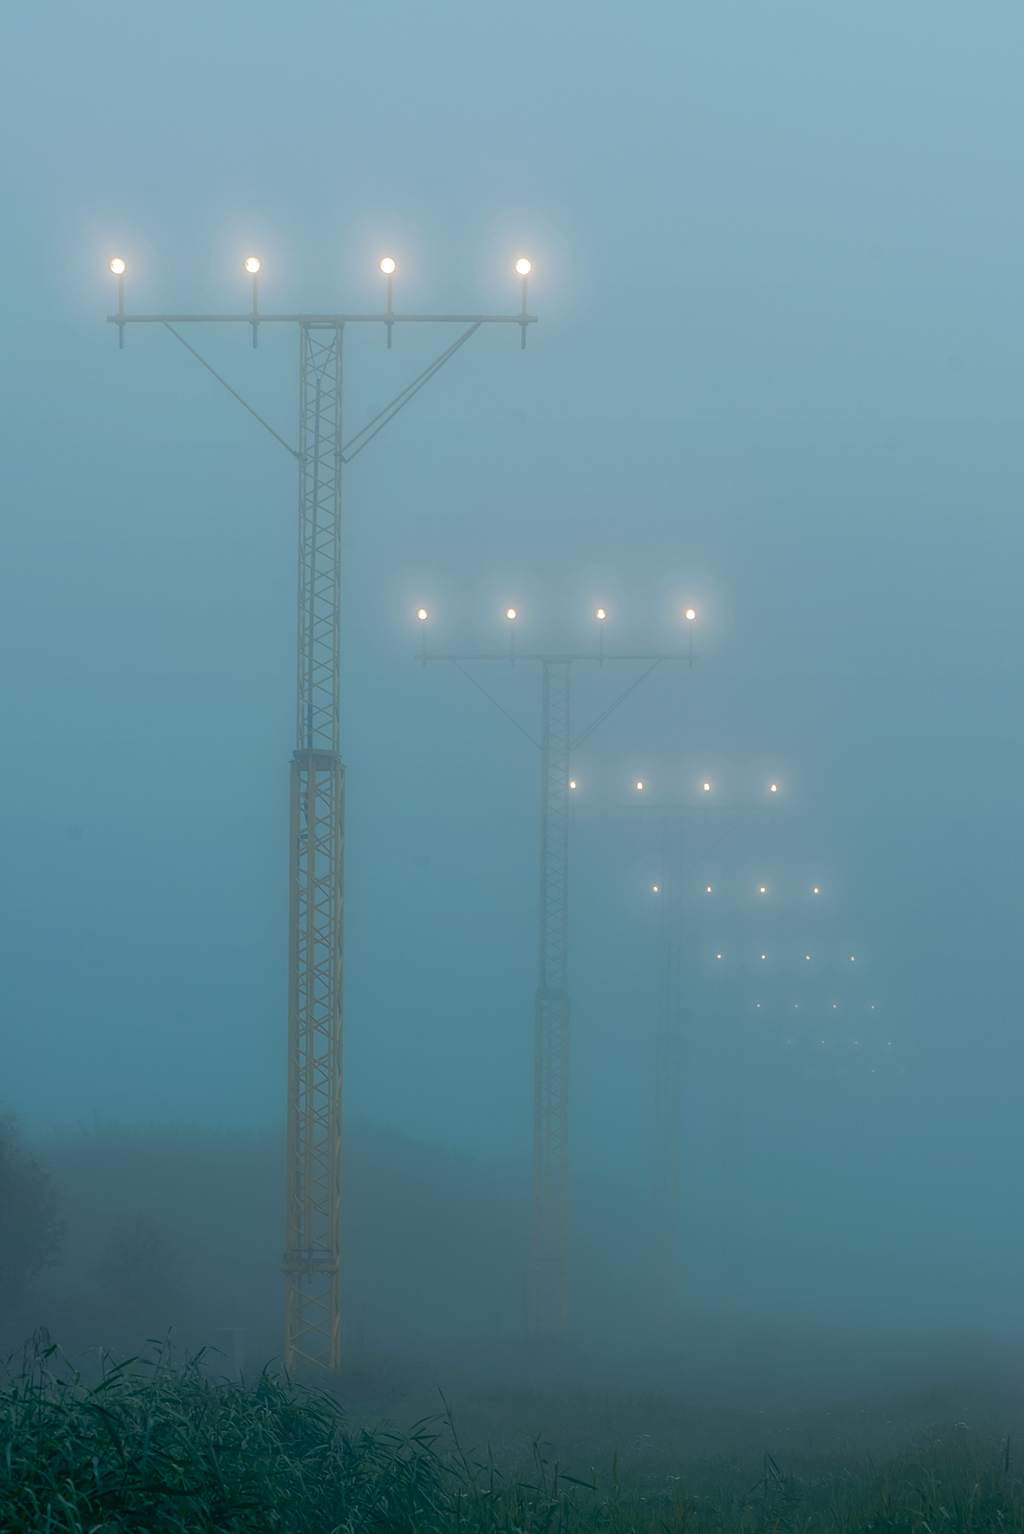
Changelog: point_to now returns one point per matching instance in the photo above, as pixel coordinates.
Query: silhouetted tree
(30, 1221)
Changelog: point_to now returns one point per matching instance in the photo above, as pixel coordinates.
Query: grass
(154, 1446)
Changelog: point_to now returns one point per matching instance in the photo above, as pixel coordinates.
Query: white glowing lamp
(252, 265)
(524, 267)
(117, 266)
(387, 266)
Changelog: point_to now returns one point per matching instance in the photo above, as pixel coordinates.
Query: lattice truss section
(551, 1060)
(319, 535)
(668, 1066)
(312, 1259)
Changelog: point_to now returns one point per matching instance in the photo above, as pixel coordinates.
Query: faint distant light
(690, 614)
(117, 266)
(762, 956)
(707, 788)
(511, 613)
(524, 267)
(763, 889)
(422, 615)
(572, 782)
(639, 785)
(252, 265)
(709, 889)
(851, 958)
(601, 613)
(654, 887)
(808, 956)
(833, 1006)
(775, 788)
(718, 956)
(815, 889)
(387, 266)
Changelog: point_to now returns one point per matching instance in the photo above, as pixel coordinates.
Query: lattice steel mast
(668, 1068)
(549, 1267)
(549, 1301)
(312, 1259)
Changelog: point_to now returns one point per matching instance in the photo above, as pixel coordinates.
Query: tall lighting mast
(312, 1258)
(549, 1267)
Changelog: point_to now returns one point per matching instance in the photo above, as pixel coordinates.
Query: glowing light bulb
(815, 889)
(775, 788)
(252, 265)
(654, 887)
(690, 614)
(709, 889)
(422, 614)
(511, 613)
(117, 266)
(601, 613)
(707, 788)
(719, 956)
(640, 786)
(572, 782)
(762, 889)
(524, 267)
(387, 266)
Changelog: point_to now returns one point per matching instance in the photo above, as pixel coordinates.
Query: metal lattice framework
(668, 1069)
(312, 1259)
(549, 1288)
(317, 828)
(550, 1265)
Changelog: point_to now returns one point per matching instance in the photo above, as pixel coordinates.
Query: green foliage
(161, 1448)
(166, 1449)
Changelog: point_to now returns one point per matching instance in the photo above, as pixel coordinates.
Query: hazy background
(778, 374)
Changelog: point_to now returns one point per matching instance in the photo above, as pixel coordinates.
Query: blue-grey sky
(778, 373)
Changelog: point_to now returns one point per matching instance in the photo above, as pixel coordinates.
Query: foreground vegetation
(162, 1448)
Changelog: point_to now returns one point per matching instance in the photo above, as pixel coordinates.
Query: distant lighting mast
(549, 1287)
(312, 1261)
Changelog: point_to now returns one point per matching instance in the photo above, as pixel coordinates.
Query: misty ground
(175, 1233)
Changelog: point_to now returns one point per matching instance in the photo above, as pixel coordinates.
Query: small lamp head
(524, 267)
(387, 266)
(117, 266)
(252, 265)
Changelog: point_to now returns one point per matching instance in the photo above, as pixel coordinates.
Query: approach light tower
(312, 1259)
(549, 1269)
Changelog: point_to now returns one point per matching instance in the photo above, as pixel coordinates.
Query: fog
(776, 374)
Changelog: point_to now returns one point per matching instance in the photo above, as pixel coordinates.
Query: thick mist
(776, 375)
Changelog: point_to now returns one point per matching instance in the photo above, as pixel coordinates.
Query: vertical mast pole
(550, 1294)
(312, 1261)
(668, 1069)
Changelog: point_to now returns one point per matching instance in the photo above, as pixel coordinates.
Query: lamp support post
(549, 1268)
(312, 1257)
(668, 1069)
(549, 1285)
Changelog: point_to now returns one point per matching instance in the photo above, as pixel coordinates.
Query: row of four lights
(252, 265)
